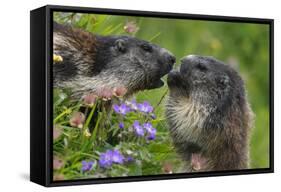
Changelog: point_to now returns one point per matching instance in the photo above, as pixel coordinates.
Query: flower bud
(77, 120)
(90, 99)
(119, 91)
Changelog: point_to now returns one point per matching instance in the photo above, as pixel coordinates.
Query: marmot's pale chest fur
(208, 115)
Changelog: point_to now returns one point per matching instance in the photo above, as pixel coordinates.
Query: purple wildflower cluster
(145, 107)
(129, 106)
(87, 166)
(110, 157)
(133, 104)
(147, 128)
(122, 109)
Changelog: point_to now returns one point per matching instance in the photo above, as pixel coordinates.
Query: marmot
(90, 61)
(208, 115)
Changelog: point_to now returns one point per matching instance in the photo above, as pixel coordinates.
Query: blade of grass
(65, 112)
(90, 117)
(155, 36)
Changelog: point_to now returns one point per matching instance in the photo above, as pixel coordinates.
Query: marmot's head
(206, 81)
(91, 61)
(135, 63)
(204, 93)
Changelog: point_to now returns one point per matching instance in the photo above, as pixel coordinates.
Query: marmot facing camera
(208, 115)
(90, 61)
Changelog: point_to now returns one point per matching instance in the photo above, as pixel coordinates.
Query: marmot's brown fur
(208, 115)
(91, 61)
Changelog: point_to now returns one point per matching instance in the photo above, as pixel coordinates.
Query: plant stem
(161, 99)
(67, 111)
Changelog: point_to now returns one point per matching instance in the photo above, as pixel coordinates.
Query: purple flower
(138, 128)
(117, 157)
(134, 105)
(87, 166)
(147, 126)
(122, 109)
(129, 159)
(153, 116)
(116, 108)
(151, 131)
(121, 125)
(109, 157)
(151, 134)
(145, 107)
(105, 159)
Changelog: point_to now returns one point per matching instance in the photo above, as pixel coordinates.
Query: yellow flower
(87, 133)
(57, 58)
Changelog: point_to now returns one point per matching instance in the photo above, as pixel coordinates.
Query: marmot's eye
(146, 47)
(201, 67)
(120, 45)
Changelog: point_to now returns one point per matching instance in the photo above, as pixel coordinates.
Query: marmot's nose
(173, 78)
(171, 59)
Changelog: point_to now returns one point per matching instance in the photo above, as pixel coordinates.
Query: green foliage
(244, 46)
(72, 144)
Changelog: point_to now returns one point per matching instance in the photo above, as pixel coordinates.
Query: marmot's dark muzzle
(174, 79)
(171, 59)
(166, 63)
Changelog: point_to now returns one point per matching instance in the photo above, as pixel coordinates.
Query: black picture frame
(41, 94)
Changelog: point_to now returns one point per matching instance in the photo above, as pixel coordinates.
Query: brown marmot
(90, 61)
(208, 115)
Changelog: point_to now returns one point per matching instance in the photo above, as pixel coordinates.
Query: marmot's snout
(166, 61)
(174, 79)
(194, 71)
(170, 60)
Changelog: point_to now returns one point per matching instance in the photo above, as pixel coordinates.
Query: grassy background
(244, 46)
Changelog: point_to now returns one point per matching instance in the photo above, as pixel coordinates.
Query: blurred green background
(244, 46)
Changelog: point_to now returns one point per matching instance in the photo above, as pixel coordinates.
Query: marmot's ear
(120, 45)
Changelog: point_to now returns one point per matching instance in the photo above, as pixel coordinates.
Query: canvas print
(144, 96)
